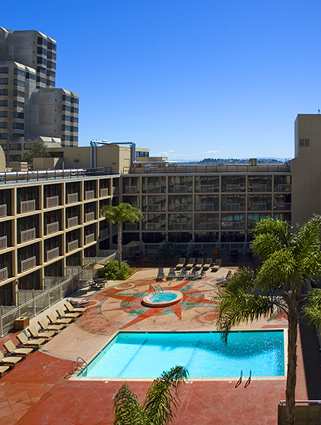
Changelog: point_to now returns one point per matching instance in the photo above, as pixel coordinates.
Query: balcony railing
(259, 206)
(259, 188)
(282, 206)
(52, 201)
(282, 188)
(52, 227)
(131, 189)
(103, 192)
(3, 242)
(72, 221)
(90, 216)
(209, 188)
(27, 206)
(180, 188)
(72, 245)
(28, 263)
(89, 238)
(52, 253)
(27, 235)
(4, 273)
(89, 194)
(72, 198)
(3, 210)
(233, 188)
(233, 207)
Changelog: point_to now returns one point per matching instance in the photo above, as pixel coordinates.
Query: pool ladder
(248, 381)
(79, 362)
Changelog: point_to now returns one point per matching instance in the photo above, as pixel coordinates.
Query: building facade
(31, 107)
(201, 208)
(48, 226)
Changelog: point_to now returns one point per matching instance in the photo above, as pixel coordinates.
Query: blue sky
(190, 78)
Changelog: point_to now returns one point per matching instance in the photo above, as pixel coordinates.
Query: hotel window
(180, 184)
(206, 202)
(204, 221)
(154, 203)
(233, 221)
(181, 221)
(208, 184)
(180, 203)
(233, 184)
(259, 183)
(233, 203)
(259, 202)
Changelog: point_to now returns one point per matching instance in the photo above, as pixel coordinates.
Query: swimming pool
(145, 355)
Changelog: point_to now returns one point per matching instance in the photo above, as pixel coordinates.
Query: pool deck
(38, 391)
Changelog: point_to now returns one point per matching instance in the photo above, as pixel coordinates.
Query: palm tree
(120, 214)
(289, 257)
(159, 404)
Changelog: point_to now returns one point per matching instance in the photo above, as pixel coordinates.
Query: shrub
(115, 270)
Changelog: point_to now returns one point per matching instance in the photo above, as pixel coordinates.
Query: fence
(33, 302)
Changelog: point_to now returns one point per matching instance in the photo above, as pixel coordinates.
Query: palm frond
(270, 235)
(312, 310)
(127, 409)
(308, 238)
(240, 301)
(161, 399)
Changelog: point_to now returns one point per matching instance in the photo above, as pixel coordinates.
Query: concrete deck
(38, 390)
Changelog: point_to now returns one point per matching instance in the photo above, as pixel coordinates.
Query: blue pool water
(133, 355)
(162, 297)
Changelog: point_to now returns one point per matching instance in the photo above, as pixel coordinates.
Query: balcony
(52, 227)
(180, 188)
(52, 253)
(72, 198)
(103, 192)
(52, 201)
(4, 273)
(72, 221)
(72, 245)
(3, 242)
(28, 263)
(131, 189)
(89, 238)
(89, 194)
(3, 210)
(27, 206)
(27, 235)
(282, 188)
(90, 216)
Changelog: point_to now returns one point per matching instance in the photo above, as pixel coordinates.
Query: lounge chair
(181, 263)
(4, 369)
(55, 320)
(9, 360)
(208, 263)
(42, 334)
(46, 326)
(13, 350)
(171, 274)
(199, 263)
(160, 275)
(30, 342)
(182, 274)
(71, 309)
(190, 263)
(66, 315)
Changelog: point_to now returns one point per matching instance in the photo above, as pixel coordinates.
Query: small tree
(120, 214)
(38, 150)
(289, 257)
(159, 404)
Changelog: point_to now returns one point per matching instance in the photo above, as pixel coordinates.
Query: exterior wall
(47, 226)
(305, 167)
(2, 160)
(217, 209)
(54, 113)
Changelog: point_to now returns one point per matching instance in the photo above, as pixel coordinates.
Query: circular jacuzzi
(162, 298)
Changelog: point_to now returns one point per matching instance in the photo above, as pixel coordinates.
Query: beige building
(49, 224)
(112, 157)
(305, 167)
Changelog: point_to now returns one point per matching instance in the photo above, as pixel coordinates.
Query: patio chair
(55, 320)
(46, 326)
(190, 263)
(30, 342)
(181, 263)
(66, 315)
(9, 360)
(182, 274)
(4, 369)
(199, 263)
(71, 309)
(34, 333)
(171, 274)
(160, 275)
(208, 263)
(13, 350)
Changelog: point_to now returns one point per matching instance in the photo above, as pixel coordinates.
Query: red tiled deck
(38, 391)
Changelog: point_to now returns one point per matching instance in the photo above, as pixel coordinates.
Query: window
(19, 83)
(4, 70)
(3, 125)
(18, 93)
(30, 76)
(4, 136)
(233, 184)
(19, 72)
(18, 104)
(3, 103)
(3, 113)
(3, 92)
(18, 125)
(304, 142)
(3, 80)
(17, 115)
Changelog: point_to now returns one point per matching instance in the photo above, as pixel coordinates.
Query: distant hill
(222, 161)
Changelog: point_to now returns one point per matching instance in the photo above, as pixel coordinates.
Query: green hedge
(113, 270)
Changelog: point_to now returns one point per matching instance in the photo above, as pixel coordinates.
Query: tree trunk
(292, 359)
(120, 241)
